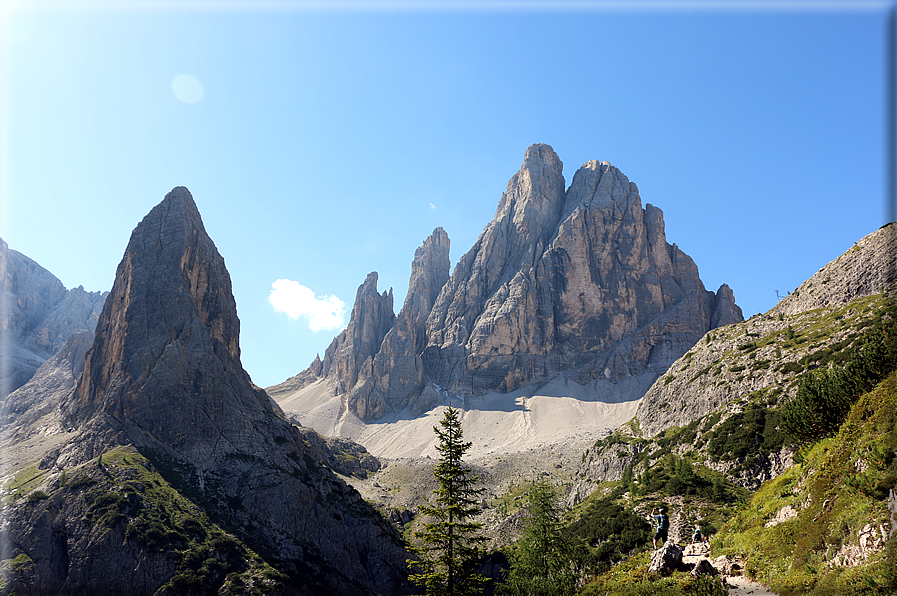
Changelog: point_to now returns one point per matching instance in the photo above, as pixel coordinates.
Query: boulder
(666, 559)
(726, 566)
(703, 567)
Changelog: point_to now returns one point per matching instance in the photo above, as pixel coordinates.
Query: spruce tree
(543, 562)
(451, 545)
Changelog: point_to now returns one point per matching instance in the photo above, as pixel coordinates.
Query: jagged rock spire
(168, 336)
(376, 359)
(579, 282)
(164, 375)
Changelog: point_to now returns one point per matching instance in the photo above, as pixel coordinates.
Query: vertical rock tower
(164, 375)
(578, 282)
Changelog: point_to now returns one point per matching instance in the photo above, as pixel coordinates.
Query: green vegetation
(631, 578)
(25, 480)
(824, 397)
(607, 533)
(21, 566)
(675, 476)
(837, 490)
(122, 489)
(451, 545)
(543, 560)
(752, 431)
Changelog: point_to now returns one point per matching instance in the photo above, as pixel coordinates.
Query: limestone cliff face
(37, 316)
(376, 360)
(164, 375)
(350, 354)
(742, 369)
(580, 282)
(49, 387)
(396, 374)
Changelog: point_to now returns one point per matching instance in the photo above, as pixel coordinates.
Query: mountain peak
(164, 375)
(579, 283)
(543, 153)
(171, 309)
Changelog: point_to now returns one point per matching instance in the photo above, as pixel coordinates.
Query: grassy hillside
(822, 527)
(819, 521)
(718, 405)
(120, 496)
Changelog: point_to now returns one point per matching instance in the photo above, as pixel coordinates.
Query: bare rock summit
(575, 282)
(164, 376)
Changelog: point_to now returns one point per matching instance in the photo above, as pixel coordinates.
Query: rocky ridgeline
(578, 281)
(868, 267)
(753, 363)
(34, 407)
(164, 376)
(38, 316)
(731, 363)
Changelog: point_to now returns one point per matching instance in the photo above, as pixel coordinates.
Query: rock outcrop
(703, 567)
(866, 268)
(349, 356)
(395, 374)
(727, 382)
(715, 372)
(47, 389)
(37, 315)
(164, 375)
(578, 282)
(666, 559)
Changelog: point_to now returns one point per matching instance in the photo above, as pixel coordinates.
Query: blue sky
(324, 141)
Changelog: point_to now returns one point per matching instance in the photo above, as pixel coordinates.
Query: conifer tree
(451, 545)
(543, 562)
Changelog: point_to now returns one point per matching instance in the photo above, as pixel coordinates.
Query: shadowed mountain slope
(164, 376)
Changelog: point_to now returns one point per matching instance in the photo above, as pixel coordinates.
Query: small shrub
(790, 368)
(81, 482)
(36, 496)
(824, 397)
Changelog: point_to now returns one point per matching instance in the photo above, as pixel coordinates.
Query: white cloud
(295, 300)
(432, 206)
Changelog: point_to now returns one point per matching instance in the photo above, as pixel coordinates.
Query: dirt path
(742, 586)
(738, 584)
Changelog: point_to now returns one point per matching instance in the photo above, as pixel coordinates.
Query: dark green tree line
(824, 397)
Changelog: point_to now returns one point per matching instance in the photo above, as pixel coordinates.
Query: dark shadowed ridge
(164, 375)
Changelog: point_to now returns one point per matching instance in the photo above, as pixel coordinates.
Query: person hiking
(663, 525)
(697, 536)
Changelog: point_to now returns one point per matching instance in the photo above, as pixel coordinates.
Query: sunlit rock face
(164, 375)
(37, 316)
(578, 282)
(393, 374)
